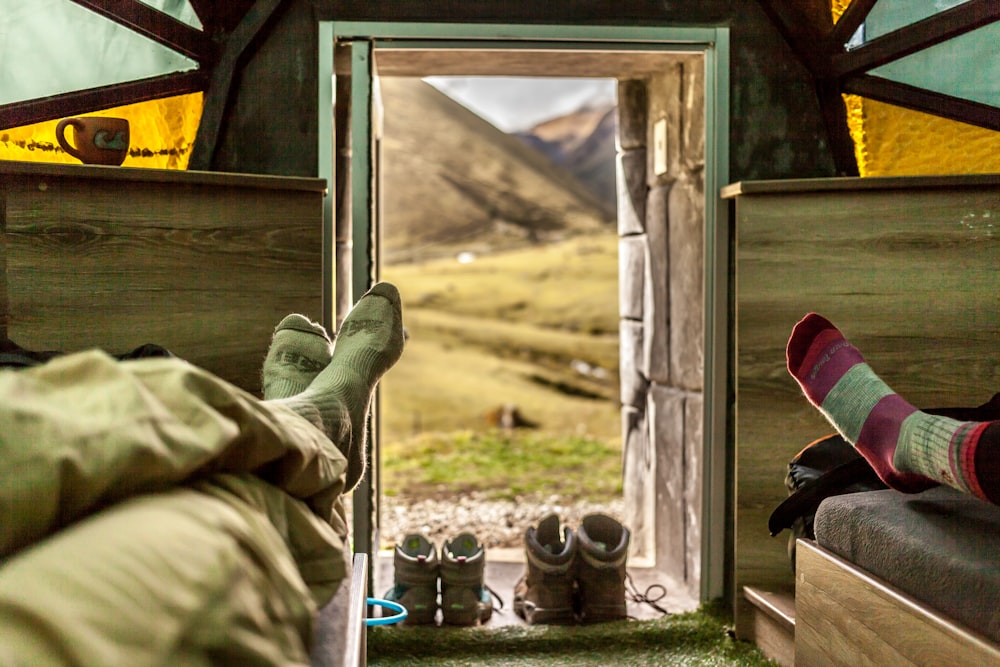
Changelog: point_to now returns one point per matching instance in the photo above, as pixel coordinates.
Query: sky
(515, 104)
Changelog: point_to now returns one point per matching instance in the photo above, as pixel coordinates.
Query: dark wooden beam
(838, 134)
(851, 20)
(220, 85)
(806, 32)
(103, 97)
(220, 17)
(916, 36)
(926, 101)
(157, 26)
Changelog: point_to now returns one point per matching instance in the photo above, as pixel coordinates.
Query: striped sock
(909, 449)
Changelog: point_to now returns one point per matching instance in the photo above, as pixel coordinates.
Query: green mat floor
(697, 638)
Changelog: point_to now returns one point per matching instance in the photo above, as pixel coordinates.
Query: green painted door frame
(712, 42)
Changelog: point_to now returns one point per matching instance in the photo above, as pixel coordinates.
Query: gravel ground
(496, 523)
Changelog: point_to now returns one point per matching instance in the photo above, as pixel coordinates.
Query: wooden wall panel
(205, 269)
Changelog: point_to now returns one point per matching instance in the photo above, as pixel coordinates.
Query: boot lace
(651, 596)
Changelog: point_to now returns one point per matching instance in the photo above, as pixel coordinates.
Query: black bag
(826, 467)
(831, 466)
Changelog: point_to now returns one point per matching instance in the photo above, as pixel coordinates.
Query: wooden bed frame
(845, 616)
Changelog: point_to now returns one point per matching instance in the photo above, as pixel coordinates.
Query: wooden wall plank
(204, 270)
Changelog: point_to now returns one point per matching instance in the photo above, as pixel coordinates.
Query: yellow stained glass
(893, 141)
(162, 133)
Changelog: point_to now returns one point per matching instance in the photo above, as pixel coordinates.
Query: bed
(897, 579)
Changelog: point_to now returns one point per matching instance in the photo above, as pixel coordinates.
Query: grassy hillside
(536, 327)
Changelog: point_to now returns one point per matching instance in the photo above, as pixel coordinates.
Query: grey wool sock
(299, 350)
(369, 343)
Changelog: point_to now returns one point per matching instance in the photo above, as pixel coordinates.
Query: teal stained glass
(967, 66)
(178, 9)
(889, 15)
(49, 47)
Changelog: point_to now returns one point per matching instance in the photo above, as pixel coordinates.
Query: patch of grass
(701, 638)
(534, 327)
(503, 465)
(443, 387)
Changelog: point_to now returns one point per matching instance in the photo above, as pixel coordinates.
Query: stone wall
(661, 164)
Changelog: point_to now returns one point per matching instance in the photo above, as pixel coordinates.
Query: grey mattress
(941, 547)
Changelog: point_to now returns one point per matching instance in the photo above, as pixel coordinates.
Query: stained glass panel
(179, 9)
(49, 47)
(967, 66)
(162, 134)
(889, 15)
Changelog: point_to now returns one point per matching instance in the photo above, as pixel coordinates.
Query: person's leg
(369, 342)
(909, 449)
(160, 422)
(84, 431)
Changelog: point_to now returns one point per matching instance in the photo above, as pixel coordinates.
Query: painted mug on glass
(96, 139)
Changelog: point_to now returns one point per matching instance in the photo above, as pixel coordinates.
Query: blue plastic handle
(386, 620)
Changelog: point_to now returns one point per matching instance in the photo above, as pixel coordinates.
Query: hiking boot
(603, 549)
(416, 566)
(545, 592)
(465, 600)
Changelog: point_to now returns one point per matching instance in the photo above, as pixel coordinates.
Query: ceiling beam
(834, 111)
(806, 32)
(157, 26)
(916, 36)
(218, 94)
(220, 16)
(850, 21)
(926, 101)
(42, 109)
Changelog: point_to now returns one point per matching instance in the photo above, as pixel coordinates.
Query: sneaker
(465, 600)
(416, 566)
(603, 549)
(545, 592)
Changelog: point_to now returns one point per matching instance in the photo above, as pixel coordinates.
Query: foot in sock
(369, 343)
(299, 350)
(909, 449)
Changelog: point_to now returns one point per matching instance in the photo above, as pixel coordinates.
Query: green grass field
(537, 328)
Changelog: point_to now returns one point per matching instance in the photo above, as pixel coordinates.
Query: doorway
(673, 289)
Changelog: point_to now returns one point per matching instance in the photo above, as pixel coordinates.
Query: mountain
(453, 182)
(584, 143)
